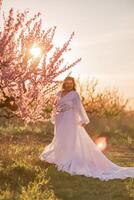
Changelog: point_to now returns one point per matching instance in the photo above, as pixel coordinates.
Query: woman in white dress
(72, 150)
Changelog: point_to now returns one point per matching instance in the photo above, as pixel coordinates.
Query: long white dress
(72, 150)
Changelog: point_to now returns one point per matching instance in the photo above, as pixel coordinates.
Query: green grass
(24, 177)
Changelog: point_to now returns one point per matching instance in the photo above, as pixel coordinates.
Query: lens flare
(101, 142)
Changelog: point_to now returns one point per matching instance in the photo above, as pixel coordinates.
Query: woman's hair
(64, 82)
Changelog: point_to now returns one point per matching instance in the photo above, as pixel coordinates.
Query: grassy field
(24, 177)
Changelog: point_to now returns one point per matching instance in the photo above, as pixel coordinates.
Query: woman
(72, 150)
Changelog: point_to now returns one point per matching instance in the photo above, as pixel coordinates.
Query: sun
(35, 52)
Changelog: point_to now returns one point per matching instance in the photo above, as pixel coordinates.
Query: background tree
(103, 103)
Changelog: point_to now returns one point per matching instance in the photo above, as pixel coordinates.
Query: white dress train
(72, 150)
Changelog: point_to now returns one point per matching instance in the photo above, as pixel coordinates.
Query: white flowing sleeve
(80, 110)
(52, 119)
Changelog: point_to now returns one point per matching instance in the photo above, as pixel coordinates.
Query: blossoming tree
(29, 64)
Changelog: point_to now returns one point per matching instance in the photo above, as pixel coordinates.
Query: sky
(104, 37)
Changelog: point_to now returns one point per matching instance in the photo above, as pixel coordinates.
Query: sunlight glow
(35, 51)
(101, 142)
